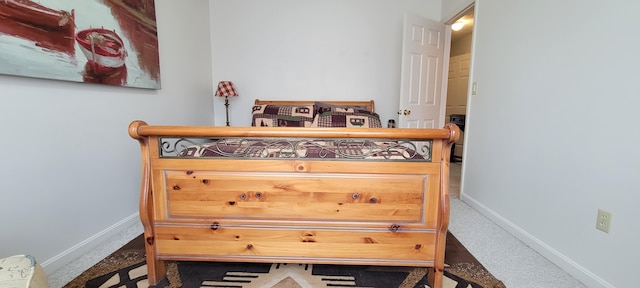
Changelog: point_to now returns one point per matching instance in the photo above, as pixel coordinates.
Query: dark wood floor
(456, 253)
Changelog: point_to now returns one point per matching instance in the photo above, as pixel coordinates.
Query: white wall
(451, 8)
(311, 50)
(551, 135)
(69, 170)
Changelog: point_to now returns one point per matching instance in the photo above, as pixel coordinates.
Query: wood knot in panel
(189, 172)
(215, 226)
(205, 181)
(301, 168)
(282, 187)
(249, 246)
(176, 187)
(418, 246)
(308, 237)
(370, 240)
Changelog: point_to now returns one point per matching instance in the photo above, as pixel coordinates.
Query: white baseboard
(126, 226)
(574, 269)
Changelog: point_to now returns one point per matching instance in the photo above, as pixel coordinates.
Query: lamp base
(226, 105)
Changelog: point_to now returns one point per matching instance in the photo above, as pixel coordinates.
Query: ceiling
(468, 26)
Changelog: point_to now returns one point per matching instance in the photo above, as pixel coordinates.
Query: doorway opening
(458, 75)
(458, 90)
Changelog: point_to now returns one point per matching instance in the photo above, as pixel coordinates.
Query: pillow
(348, 118)
(325, 107)
(283, 115)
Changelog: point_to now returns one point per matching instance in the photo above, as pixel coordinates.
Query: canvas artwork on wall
(111, 42)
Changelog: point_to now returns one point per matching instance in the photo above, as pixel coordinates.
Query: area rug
(127, 268)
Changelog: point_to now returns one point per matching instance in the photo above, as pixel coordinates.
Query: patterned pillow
(349, 118)
(326, 107)
(283, 115)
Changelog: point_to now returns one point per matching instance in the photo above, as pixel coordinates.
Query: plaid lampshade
(226, 89)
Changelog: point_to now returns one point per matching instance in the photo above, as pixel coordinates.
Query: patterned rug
(127, 268)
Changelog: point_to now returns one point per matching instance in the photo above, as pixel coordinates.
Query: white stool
(21, 271)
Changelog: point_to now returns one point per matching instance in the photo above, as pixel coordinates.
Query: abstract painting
(112, 42)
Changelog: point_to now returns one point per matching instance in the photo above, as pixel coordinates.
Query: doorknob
(404, 112)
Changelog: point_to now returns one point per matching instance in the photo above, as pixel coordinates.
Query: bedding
(348, 118)
(316, 114)
(351, 116)
(318, 195)
(283, 115)
(325, 107)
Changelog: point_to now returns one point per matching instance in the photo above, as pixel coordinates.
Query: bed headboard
(368, 104)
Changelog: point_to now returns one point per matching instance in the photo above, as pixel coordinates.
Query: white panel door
(423, 60)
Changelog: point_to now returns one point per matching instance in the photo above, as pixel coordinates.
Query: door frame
(472, 4)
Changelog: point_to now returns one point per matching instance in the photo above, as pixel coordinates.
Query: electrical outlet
(603, 223)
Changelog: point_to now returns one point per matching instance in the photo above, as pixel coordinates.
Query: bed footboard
(295, 195)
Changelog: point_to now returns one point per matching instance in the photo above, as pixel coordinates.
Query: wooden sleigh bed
(317, 195)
